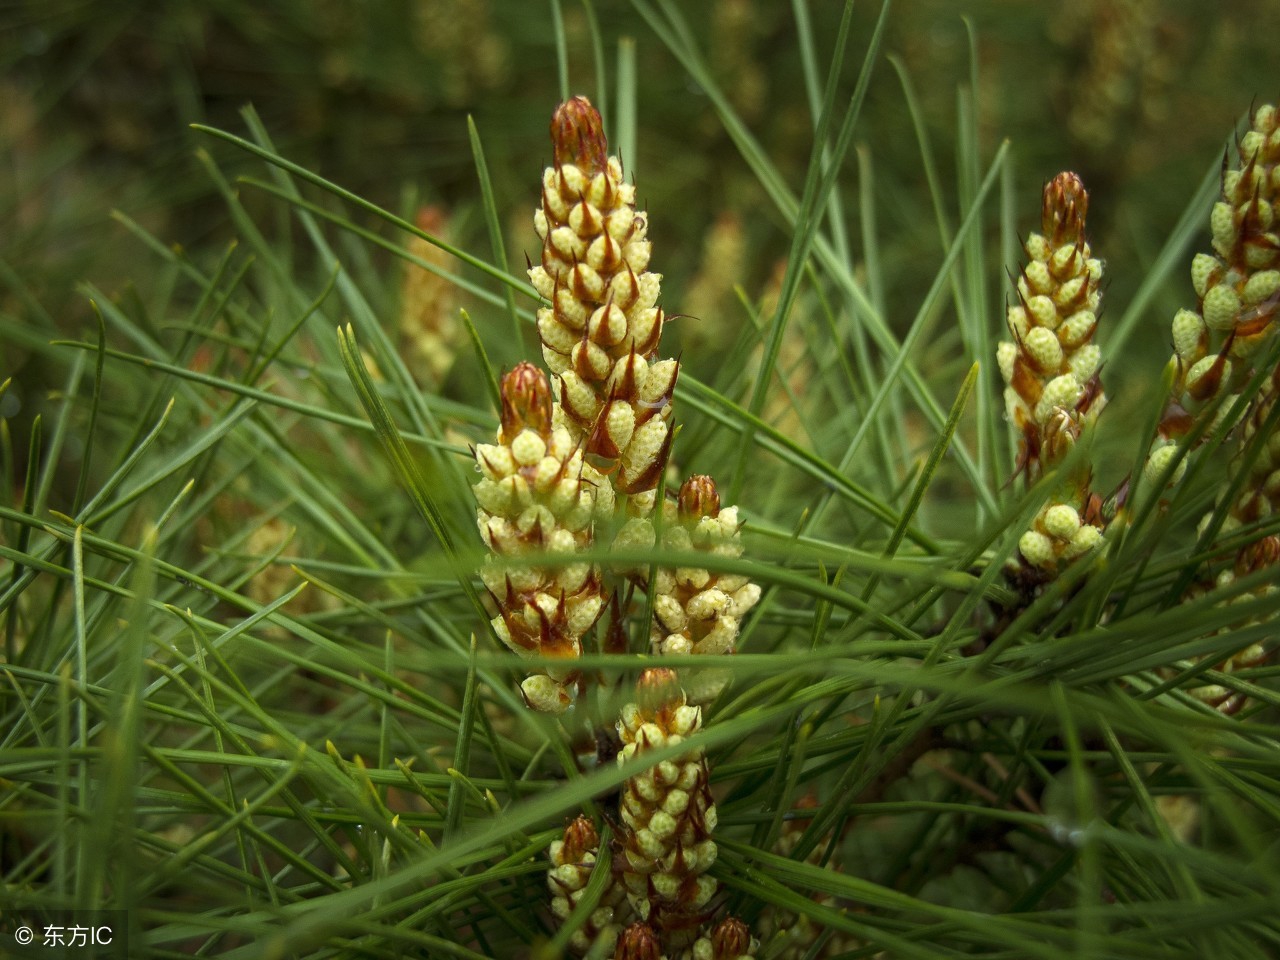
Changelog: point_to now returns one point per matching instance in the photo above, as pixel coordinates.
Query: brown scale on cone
(667, 814)
(538, 496)
(601, 331)
(1053, 393)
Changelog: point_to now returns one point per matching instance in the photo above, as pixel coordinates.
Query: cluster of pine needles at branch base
(626, 654)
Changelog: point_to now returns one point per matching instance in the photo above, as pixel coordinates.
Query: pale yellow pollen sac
(573, 182)
(1044, 349)
(1262, 253)
(1205, 269)
(670, 613)
(1063, 259)
(1085, 361)
(676, 803)
(540, 223)
(707, 605)
(693, 577)
(1188, 335)
(1006, 358)
(646, 444)
(643, 324)
(1221, 308)
(1070, 291)
(620, 223)
(636, 254)
(568, 244)
(1061, 521)
(1037, 247)
(569, 311)
(668, 772)
(659, 382)
(675, 645)
(649, 843)
(528, 448)
(1205, 367)
(662, 824)
(1060, 392)
(585, 219)
(1250, 144)
(687, 719)
(1261, 286)
(720, 639)
(1038, 278)
(577, 397)
(744, 598)
(545, 694)
(1037, 549)
(1015, 407)
(1265, 213)
(650, 288)
(1223, 227)
(620, 423)
(1077, 328)
(1159, 460)
(1042, 310)
(604, 254)
(608, 325)
(492, 499)
(1085, 539)
(542, 281)
(589, 355)
(1016, 319)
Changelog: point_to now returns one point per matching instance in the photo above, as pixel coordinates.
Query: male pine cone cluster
(600, 335)
(1216, 351)
(1050, 368)
(538, 495)
(663, 848)
(571, 452)
(1238, 285)
(695, 610)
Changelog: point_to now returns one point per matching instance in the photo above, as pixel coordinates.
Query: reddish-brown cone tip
(577, 133)
(638, 942)
(730, 939)
(1065, 204)
(657, 689)
(698, 498)
(579, 838)
(526, 401)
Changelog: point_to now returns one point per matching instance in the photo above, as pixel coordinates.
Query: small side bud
(656, 688)
(638, 942)
(730, 940)
(698, 498)
(526, 401)
(580, 838)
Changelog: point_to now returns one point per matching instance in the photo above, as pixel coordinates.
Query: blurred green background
(97, 97)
